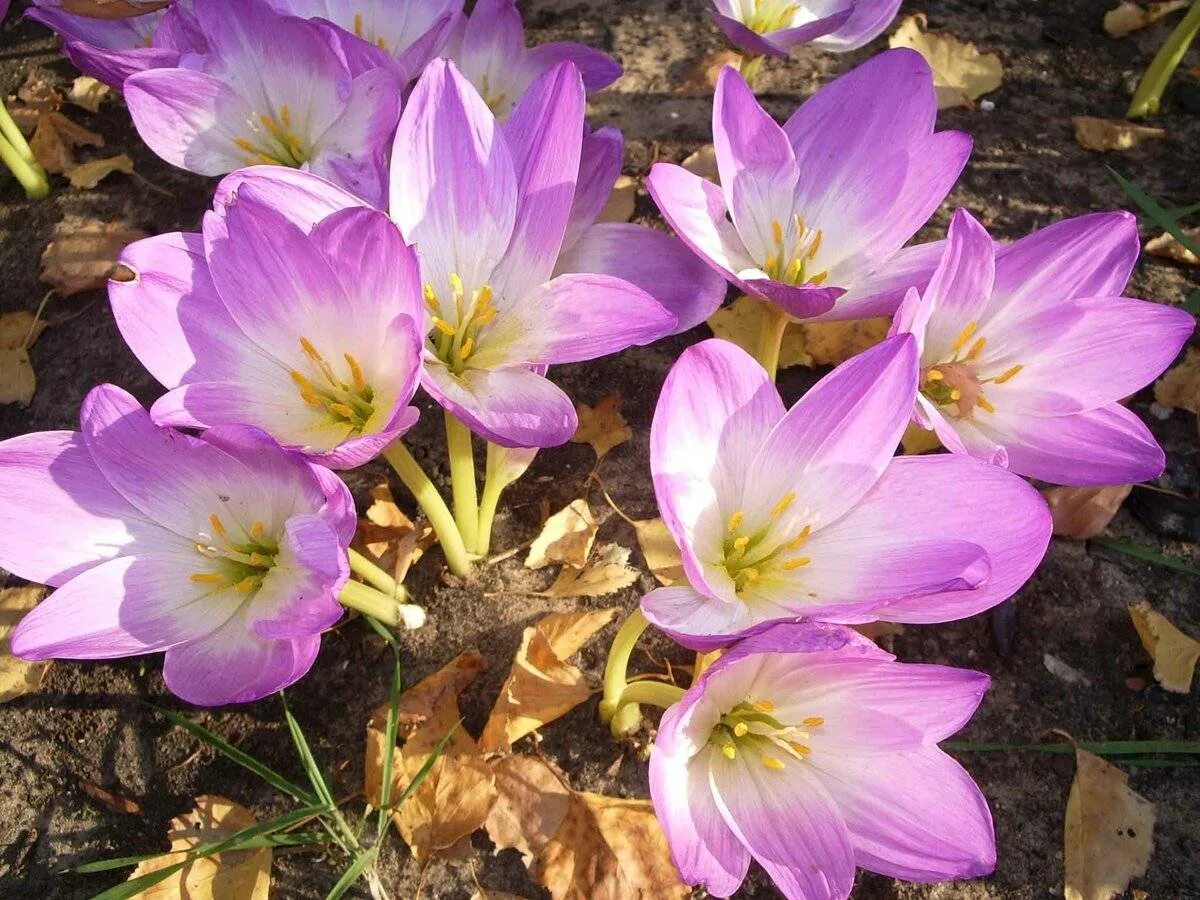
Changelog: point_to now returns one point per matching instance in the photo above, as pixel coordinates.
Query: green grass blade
(430, 760)
(393, 724)
(1192, 303)
(315, 776)
(297, 839)
(351, 875)
(1155, 211)
(1146, 555)
(1101, 748)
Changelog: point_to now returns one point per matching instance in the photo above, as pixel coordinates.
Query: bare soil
(95, 722)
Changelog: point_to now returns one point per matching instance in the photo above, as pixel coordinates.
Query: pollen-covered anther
(813, 721)
(772, 763)
(346, 401)
(798, 562)
(735, 522)
(781, 507)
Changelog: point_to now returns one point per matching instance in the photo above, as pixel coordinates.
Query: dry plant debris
(961, 74)
(1129, 17)
(18, 331)
(83, 253)
(602, 425)
(621, 202)
(1103, 135)
(18, 677)
(660, 550)
(1083, 513)
(1174, 653)
(1167, 246)
(606, 572)
(566, 538)
(1180, 387)
(388, 537)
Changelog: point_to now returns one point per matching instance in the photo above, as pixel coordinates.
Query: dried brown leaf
(701, 77)
(542, 686)
(660, 550)
(1167, 246)
(17, 677)
(1129, 17)
(112, 802)
(1103, 135)
(388, 537)
(1109, 832)
(621, 202)
(961, 74)
(1082, 513)
(741, 323)
(607, 571)
(55, 139)
(919, 440)
(18, 331)
(89, 174)
(112, 9)
(38, 93)
(244, 874)
(703, 163)
(88, 93)
(1180, 387)
(83, 253)
(878, 630)
(1174, 653)
(602, 425)
(565, 539)
(832, 343)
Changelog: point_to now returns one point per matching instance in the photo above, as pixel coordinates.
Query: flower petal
(597, 68)
(353, 151)
(879, 293)
(960, 290)
(303, 198)
(700, 622)
(868, 19)
(599, 166)
(298, 598)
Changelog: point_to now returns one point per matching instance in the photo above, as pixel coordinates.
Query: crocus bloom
(313, 337)
(113, 49)
(271, 89)
(812, 751)
(1027, 350)
(224, 551)
(820, 206)
(490, 52)
(804, 512)
(775, 27)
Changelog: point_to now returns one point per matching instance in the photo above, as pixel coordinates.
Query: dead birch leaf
(741, 323)
(660, 550)
(878, 630)
(1129, 17)
(18, 331)
(919, 440)
(89, 174)
(1109, 832)
(607, 572)
(566, 538)
(1103, 135)
(832, 343)
(244, 874)
(961, 74)
(112, 802)
(1082, 513)
(83, 253)
(1167, 246)
(1180, 387)
(112, 9)
(701, 77)
(17, 677)
(602, 425)
(542, 686)
(621, 202)
(88, 93)
(55, 139)
(1174, 653)
(580, 845)
(388, 537)
(703, 163)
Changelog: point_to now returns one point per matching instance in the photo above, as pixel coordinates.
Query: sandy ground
(91, 722)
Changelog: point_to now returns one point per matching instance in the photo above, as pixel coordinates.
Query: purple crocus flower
(821, 206)
(1027, 350)
(489, 50)
(224, 551)
(776, 27)
(271, 89)
(812, 751)
(313, 336)
(804, 512)
(113, 49)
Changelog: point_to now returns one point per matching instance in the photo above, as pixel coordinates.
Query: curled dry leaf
(832, 343)
(83, 253)
(1082, 513)
(621, 202)
(1174, 653)
(455, 796)
(1092, 133)
(876, 631)
(961, 74)
(1109, 832)
(542, 686)
(602, 425)
(1180, 388)
(919, 440)
(565, 539)
(660, 550)
(18, 331)
(55, 139)
(89, 174)
(580, 845)
(111, 801)
(741, 323)
(112, 9)
(1167, 246)
(388, 537)
(701, 77)
(244, 874)
(1129, 17)
(88, 93)
(607, 571)
(704, 164)
(17, 677)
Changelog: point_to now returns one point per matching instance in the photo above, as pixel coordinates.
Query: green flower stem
(17, 156)
(653, 693)
(376, 577)
(770, 340)
(751, 68)
(11, 133)
(494, 484)
(433, 505)
(462, 480)
(370, 602)
(1150, 89)
(616, 673)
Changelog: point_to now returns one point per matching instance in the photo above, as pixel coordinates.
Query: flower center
(795, 248)
(360, 31)
(954, 385)
(273, 142)
(495, 101)
(346, 403)
(228, 563)
(750, 728)
(453, 340)
(750, 556)
(771, 15)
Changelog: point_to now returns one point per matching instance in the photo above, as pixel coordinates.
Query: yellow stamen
(964, 336)
(358, 24)
(243, 144)
(799, 748)
(816, 245)
(467, 347)
(795, 269)
(285, 116)
(456, 284)
(430, 296)
(218, 526)
(772, 763)
(208, 578)
(752, 574)
(257, 530)
(956, 394)
(257, 559)
(819, 278)
(735, 521)
(787, 500)
(976, 348)
(934, 375)
(342, 410)
(777, 232)
(729, 752)
(246, 585)
(443, 326)
(797, 563)
(356, 372)
(741, 543)
(814, 721)
(741, 729)
(984, 404)
(801, 538)
(307, 394)
(1011, 373)
(764, 706)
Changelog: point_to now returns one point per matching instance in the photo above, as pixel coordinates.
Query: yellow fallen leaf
(580, 845)
(606, 572)
(701, 76)
(241, 874)
(1082, 513)
(602, 425)
(1167, 246)
(88, 93)
(961, 74)
(1093, 133)
(1180, 387)
(1174, 653)
(919, 440)
(832, 343)
(565, 539)
(1129, 17)
(704, 164)
(83, 253)
(18, 331)
(621, 202)
(741, 323)
(660, 550)
(542, 686)
(1109, 832)
(89, 174)
(17, 677)
(55, 139)
(388, 537)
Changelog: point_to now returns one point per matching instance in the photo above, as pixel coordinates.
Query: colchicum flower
(812, 751)
(224, 551)
(313, 335)
(271, 89)
(1027, 350)
(489, 50)
(804, 512)
(821, 206)
(776, 27)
